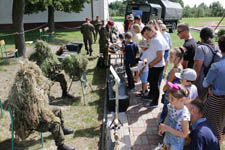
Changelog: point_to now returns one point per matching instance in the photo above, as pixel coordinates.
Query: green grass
(85, 120)
(193, 21)
(190, 21)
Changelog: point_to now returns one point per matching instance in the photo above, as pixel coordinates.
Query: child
(176, 57)
(176, 125)
(131, 50)
(144, 68)
(188, 76)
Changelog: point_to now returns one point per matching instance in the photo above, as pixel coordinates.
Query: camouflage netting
(28, 100)
(45, 58)
(75, 65)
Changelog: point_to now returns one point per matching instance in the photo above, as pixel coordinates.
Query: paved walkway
(143, 125)
(140, 125)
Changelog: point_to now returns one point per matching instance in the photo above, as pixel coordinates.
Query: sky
(191, 3)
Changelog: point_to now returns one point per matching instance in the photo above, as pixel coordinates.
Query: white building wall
(100, 9)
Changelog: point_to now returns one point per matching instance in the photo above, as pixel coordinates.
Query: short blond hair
(137, 28)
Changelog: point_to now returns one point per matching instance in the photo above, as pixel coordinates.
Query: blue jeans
(175, 142)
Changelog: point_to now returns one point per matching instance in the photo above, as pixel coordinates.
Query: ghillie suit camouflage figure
(49, 64)
(75, 66)
(28, 101)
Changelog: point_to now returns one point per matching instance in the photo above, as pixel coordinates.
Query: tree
(35, 6)
(17, 20)
(216, 9)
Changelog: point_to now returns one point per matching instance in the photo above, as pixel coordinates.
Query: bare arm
(184, 133)
(197, 66)
(170, 79)
(159, 57)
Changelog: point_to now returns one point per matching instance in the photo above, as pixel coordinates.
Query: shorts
(144, 77)
(178, 146)
(166, 55)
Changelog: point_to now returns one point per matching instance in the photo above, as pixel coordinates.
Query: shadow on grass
(65, 101)
(88, 132)
(24, 145)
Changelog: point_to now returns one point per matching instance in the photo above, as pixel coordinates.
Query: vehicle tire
(173, 27)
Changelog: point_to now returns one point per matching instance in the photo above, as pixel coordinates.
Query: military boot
(67, 131)
(65, 147)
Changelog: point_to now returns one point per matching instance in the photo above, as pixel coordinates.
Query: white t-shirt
(137, 38)
(193, 91)
(143, 56)
(174, 113)
(157, 43)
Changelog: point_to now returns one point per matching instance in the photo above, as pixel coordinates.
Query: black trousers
(153, 79)
(130, 77)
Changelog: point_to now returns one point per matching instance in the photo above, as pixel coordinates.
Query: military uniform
(104, 42)
(97, 24)
(86, 29)
(56, 128)
(58, 77)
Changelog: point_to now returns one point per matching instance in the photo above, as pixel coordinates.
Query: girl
(176, 58)
(176, 126)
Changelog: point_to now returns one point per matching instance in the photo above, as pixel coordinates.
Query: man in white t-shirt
(156, 62)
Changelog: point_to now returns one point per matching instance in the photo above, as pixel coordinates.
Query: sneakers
(65, 147)
(67, 131)
(151, 105)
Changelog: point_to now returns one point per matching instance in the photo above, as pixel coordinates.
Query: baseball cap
(110, 22)
(137, 17)
(187, 74)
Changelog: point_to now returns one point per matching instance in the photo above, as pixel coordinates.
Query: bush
(221, 32)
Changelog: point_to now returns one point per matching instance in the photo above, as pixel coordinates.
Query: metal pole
(219, 22)
(92, 11)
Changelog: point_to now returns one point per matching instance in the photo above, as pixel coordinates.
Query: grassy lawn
(86, 120)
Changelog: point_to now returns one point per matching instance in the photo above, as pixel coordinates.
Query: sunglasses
(178, 32)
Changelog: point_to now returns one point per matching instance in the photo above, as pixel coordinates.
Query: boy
(188, 76)
(131, 50)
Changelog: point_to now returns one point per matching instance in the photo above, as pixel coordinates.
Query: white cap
(187, 74)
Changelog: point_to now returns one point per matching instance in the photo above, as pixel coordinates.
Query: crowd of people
(194, 92)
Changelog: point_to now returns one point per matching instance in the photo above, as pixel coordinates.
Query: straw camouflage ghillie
(75, 66)
(49, 64)
(28, 100)
(45, 59)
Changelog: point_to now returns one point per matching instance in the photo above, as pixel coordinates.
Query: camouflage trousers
(61, 79)
(54, 128)
(104, 51)
(88, 42)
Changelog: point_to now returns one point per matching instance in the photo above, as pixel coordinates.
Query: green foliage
(117, 8)
(202, 10)
(221, 32)
(75, 65)
(34, 6)
(217, 9)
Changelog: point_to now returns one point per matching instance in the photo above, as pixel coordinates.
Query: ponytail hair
(179, 52)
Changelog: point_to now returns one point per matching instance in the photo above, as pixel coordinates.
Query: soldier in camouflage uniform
(86, 29)
(105, 40)
(97, 24)
(57, 129)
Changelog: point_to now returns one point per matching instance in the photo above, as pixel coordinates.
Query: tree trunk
(51, 19)
(17, 19)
